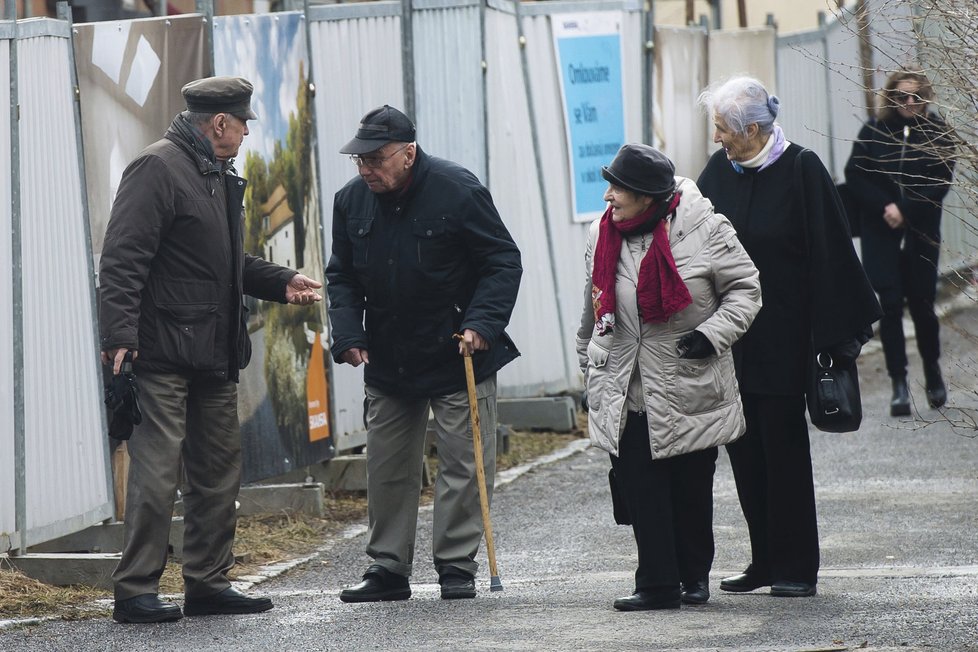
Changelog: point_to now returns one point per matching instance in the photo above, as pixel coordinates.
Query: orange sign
(317, 392)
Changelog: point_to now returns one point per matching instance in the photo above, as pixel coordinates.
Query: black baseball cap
(383, 125)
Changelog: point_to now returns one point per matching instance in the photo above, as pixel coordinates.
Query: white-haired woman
(787, 213)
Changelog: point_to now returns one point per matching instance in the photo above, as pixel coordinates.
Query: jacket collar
(194, 143)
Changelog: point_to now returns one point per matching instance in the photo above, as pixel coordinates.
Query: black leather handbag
(834, 403)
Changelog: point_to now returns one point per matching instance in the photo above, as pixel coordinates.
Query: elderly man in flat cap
(419, 254)
(172, 277)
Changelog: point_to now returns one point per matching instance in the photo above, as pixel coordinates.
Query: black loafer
(457, 585)
(697, 592)
(145, 608)
(792, 589)
(379, 584)
(743, 583)
(649, 600)
(228, 601)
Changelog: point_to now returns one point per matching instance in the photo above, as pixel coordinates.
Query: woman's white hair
(741, 102)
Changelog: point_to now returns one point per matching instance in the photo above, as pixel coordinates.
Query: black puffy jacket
(409, 270)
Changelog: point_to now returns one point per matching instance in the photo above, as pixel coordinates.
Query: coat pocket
(186, 334)
(699, 385)
(358, 230)
(597, 375)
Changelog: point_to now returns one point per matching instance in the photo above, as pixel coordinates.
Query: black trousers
(915, 282)
(671, 504)
(772, 465)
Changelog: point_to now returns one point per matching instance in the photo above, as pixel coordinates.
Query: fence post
(17, 295)
(206, 8)
(826, 67)
(407, 56)
(648, 68)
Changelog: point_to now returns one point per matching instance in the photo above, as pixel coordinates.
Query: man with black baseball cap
(419, 254)
(171, 284)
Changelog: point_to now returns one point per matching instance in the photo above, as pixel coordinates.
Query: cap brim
(246, 115)
(363, 146)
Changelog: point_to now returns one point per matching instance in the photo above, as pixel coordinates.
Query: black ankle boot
(900, 403)
(934, 383)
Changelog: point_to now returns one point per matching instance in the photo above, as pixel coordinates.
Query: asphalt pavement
(898, 520)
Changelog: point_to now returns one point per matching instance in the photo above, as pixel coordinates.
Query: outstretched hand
(301, 290)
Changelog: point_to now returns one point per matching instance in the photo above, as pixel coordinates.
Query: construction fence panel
(356, 65)
(683, 130)
(66, 463)
(449, 100)
(9, 537)
(552, 295)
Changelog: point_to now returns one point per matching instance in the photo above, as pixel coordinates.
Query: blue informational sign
(588, 48)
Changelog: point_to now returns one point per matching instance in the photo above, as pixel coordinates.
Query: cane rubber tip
(495, 584)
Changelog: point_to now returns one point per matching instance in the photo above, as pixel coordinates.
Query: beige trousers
(396, 428)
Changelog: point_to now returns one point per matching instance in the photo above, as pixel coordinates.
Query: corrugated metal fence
(485, 93)
(59, 467)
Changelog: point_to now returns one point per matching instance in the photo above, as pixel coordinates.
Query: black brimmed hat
(642, 169)
(220, 95)
(383, 125)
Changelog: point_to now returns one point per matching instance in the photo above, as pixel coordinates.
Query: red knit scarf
(661, 291)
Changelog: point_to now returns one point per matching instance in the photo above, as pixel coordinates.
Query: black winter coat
(173, 269)
(813, 288)
(908, 163)
(421, 266)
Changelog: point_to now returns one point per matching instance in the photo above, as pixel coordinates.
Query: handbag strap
(800, 192)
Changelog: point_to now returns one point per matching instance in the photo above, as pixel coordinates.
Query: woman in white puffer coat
(669, 290)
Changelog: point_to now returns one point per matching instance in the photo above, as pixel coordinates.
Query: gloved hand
(694, 346)
(584, 403)
(844, 353)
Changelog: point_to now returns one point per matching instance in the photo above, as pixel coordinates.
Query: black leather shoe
(145, 608)
(379, 584)
(792, 589)
(456, 585)
(934, 384)
(900, 403)
(649, 600)
(228, 601)
(746, 581)
(697, 592)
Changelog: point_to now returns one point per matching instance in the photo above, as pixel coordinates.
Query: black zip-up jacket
(173, 268)
(908, 163)
(409, 270)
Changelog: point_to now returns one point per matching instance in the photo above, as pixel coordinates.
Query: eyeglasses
(374, 162)
(901, 97)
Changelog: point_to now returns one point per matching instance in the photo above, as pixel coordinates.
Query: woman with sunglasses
(899, 171)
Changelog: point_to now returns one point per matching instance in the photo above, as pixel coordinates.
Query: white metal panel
(356, 66)
(803, 91)
(7, 498)
(683, 128)
(513, 181)
(448, 96)
(66, 460)
(567, 237)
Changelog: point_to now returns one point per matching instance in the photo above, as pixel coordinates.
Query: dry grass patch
(22, 597)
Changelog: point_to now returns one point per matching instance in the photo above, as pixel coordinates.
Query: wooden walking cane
(480, 471)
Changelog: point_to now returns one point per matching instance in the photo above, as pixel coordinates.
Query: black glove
(843, 354)
(584, 403)
(695, 346)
